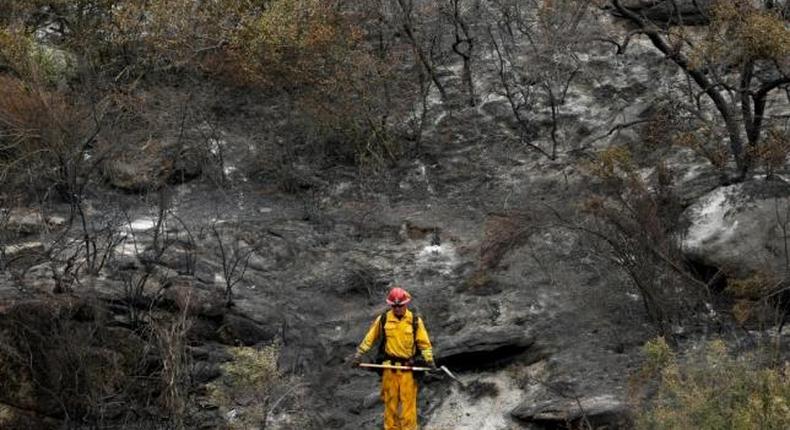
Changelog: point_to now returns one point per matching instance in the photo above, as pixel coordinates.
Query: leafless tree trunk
(235, 259)
(424, 57)
(519, 96)
(749, 93)
(463, 45)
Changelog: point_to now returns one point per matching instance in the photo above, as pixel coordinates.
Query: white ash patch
(418, 176)
(686, 165)
(692, 173)
(442, 257)
(578, 104)
(434, 98)
(126, 249)
(219, 279)
(228, 169)
(140, 224)
(645, 173)
(490, 98)
(341, 187)
(710, 219)
(18, 248)
(711, 311)
(439, 118)
(215, 146)
(459, 412)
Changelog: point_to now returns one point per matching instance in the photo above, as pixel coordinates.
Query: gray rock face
(26, 221)
(481, 347)
(204, 372)
(324, 261)
(194, 297)
(741, 228)
(671, 12)
(40, 278)
(241, 330)
(20, 254)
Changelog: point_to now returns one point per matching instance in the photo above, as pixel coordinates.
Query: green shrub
(710, 390)
(34, 60)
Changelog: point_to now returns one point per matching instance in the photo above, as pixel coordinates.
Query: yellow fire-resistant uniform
(399, 386)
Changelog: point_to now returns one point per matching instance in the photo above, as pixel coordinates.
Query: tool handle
(395, 367)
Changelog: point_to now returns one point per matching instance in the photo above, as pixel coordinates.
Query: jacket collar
(406, 317)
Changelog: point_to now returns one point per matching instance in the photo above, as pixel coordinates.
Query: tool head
(453, 377)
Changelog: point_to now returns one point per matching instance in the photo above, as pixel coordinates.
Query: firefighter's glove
(432, 365)
(355, 360)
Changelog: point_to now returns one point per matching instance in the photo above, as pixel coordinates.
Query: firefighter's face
(399, 310)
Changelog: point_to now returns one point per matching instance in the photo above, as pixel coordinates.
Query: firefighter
(403, 340)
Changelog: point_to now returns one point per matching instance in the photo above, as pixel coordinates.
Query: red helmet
(398, 296)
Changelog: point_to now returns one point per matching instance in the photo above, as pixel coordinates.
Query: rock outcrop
(671, 12)
(604, 411)
(742, 229)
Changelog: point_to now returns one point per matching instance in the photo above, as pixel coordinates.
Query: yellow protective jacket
(400, 337)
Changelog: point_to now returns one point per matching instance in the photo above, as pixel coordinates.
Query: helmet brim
(402, 302)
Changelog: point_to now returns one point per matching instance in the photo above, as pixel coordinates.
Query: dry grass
(61, 360)
(634, 222)
(53, 363)
(502, 233)
(41, 133)
(773, 153)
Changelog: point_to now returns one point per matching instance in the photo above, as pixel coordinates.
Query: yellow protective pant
(398, 388)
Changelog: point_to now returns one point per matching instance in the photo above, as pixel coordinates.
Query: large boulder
(603, 411)
(190, 295)
(154, 164)
(741, 228)
(138, 171)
